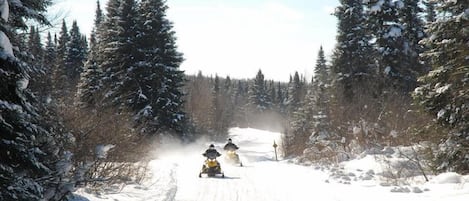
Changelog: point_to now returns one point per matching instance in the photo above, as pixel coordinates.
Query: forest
(78, 110)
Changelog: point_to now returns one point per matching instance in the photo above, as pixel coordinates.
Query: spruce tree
(157, 75)
(59, 73)
(258, 97)
(430, 11)
(443, 92)
(323, 135)
(27, 150)
(396, 29)
(90, 79)
(352, 64)
(74, 57)
(413, 32)
(39, 79)
(295, 94)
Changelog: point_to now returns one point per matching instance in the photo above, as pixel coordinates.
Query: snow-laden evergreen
(27, 150)
(443, 92)
(75, 55)
(138, 57)
(352, 59)
(90, 79)
(323, 136)
(258, 97)
(156, 77)
(396, 28)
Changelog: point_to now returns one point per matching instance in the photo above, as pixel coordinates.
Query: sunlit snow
(175, 177)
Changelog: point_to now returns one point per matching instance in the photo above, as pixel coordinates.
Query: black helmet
(229, 139)
(211, 146)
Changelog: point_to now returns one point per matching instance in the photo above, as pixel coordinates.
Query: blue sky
(239, 37)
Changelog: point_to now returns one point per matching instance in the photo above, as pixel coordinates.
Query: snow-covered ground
(175, 178)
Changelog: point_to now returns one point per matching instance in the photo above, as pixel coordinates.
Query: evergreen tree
(90, 83)
(228, 103)
(352, 64)
(39, 81)
(430, 11)
(26, 10)
(27, 152)
(50, 53)
(321, 71)
(281, 99)
(109, 46)
(392, 43)
(74, 57)
(156, 77)
(35, 47)
(273, 94)
(59, 74)
(258, 97)
(413, 32)
(217, 110)
(443, 91)
(323, 134)
(295, 92)
(240, 103)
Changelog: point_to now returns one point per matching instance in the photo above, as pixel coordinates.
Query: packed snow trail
(175, 178)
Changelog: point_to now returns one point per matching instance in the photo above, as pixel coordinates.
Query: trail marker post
(275, 150)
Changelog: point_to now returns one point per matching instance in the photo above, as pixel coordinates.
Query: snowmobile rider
(211, 152)
(230, 146)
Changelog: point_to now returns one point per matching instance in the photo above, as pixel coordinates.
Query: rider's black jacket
(230, 146)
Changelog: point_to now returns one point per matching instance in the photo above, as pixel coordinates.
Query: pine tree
(217, 109)
(50, 55)
(430, 11)
(39, 81)
(323, 135)
(352, 64)
(27, 149)
(443, 92)
(111, 42)
(59, 74)
(240, 103)
(258, 100)
(413, 32)
(295, 92)
(74, 57)
(228, 104)
(392, 43)
(157, 73)
(321, 71)
(90, 79)
(281, 99)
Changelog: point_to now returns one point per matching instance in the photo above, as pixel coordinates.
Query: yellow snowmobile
(211, 166)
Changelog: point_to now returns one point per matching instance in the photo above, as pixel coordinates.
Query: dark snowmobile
(231, 156)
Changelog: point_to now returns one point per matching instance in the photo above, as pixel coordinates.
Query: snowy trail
(175, 178)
